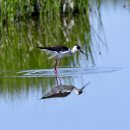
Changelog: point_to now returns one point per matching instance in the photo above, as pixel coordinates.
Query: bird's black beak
(82, 52)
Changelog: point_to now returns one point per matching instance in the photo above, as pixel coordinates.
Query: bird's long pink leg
(56, 71)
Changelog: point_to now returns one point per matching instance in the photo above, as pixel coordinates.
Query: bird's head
(80, 91)
(76, 48)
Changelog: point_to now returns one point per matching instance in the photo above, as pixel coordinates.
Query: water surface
(105, 103)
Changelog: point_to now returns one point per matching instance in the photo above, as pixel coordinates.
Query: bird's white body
(57, 55)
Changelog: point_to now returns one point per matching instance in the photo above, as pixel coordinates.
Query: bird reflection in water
(63, 91)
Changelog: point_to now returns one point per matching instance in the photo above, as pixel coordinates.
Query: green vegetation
(26, 24)
(24, 9)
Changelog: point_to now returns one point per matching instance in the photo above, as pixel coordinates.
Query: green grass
(23, 9)
(21, 33)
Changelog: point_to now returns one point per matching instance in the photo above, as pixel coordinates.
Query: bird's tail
(41, 98)
(40, 47)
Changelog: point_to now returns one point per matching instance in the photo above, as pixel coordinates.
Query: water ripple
(63, 72)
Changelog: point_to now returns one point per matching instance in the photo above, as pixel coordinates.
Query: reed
(24, 9)
(20, 35)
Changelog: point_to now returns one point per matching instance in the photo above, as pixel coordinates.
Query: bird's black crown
(78, 47)
(80, 92)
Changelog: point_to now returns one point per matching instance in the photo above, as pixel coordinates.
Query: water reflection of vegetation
(10, 88)
(19, 41)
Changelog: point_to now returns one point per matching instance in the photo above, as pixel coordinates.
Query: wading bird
(58, 52)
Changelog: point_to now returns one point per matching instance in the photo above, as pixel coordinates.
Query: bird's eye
(80, 92)
(78, 47)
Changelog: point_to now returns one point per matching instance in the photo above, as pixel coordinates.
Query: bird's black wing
(55, 48)
(58, 91)
(57, 95)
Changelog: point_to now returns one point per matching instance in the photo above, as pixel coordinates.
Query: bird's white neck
(76, 91)
(74, 49)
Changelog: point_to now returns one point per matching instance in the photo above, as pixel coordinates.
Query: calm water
(105, 103)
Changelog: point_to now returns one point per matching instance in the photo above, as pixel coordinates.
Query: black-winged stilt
(58, 52)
